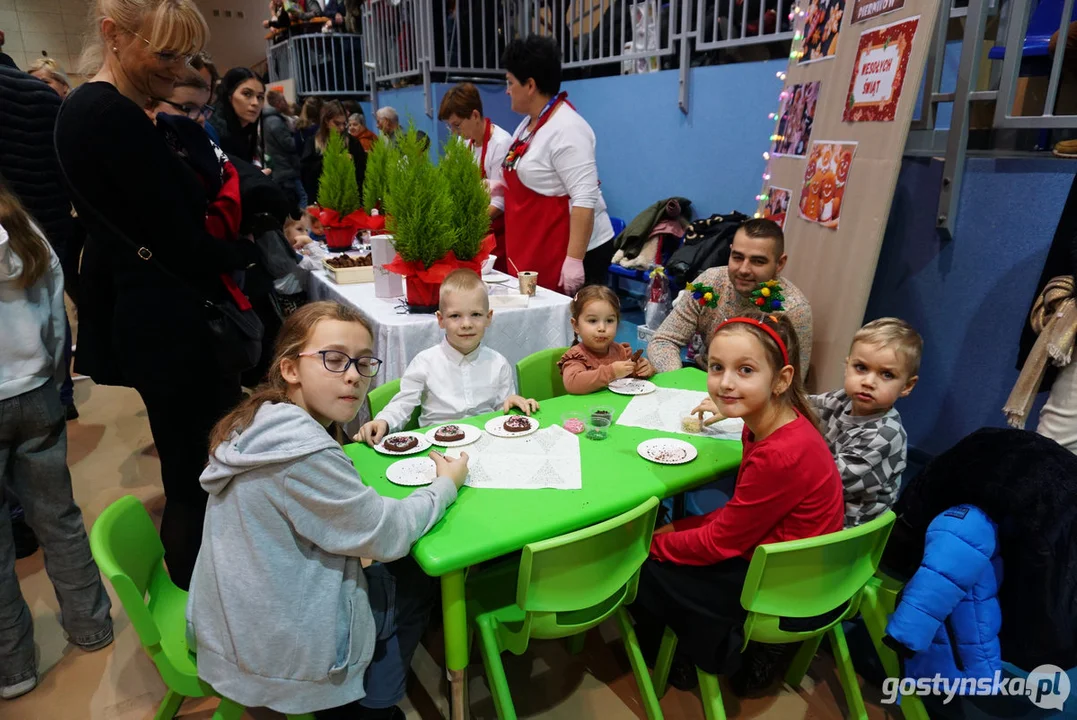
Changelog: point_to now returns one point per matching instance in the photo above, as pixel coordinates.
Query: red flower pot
(339, 237)
(422, 296)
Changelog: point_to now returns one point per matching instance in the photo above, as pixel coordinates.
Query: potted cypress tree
(437, 216)
(338, 195)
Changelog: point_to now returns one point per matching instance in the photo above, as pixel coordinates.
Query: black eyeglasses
(336, 361)
(190, 110)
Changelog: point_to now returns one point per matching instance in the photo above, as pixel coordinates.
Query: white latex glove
(571, 275)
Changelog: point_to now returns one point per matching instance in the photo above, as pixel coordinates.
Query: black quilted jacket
(28, 164)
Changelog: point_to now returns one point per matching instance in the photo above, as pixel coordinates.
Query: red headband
(764, 327)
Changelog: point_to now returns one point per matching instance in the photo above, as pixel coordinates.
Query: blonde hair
(462, 280)
(51, 68)
(293, 336)
(795, 395)
(896, 334)
(24, 238)
(175, 26)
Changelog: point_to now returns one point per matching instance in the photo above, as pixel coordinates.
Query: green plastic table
(487, 523)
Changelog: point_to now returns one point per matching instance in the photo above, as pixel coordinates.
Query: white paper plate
(423, 444)
(412, 472)
(471, 434)
(632, 386)
(494, 427)
(492, 278)
(667, 451)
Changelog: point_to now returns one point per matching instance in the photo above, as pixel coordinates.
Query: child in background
(287, 523)
(787, 489)
(861, 426)
(596, 361)
(297, 231)
(458, 377)
(33, 453)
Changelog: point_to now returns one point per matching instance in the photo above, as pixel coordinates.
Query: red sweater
(788, 488)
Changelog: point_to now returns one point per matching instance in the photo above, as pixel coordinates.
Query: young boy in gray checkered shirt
(859, 421)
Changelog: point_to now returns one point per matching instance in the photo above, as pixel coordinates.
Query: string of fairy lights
(795, 17)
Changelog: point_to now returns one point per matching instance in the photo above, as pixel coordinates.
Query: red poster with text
(879, 72)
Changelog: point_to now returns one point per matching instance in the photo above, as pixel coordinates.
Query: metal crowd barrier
(319, 63)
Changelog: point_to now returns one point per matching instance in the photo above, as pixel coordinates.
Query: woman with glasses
(238, 116)
(150, 265)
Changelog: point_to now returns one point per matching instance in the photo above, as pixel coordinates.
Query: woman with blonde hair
(33, 453)
(48, 71)
(152, 274)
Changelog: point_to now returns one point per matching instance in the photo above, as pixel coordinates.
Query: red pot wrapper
(436, 273)
(422, 294)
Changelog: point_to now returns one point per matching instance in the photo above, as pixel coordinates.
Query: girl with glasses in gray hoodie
(281, 612)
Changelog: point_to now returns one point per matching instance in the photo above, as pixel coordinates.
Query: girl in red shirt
(788, 488)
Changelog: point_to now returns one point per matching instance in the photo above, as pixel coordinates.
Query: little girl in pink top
(596, 361)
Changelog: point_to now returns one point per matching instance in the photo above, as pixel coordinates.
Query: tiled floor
(111, 455)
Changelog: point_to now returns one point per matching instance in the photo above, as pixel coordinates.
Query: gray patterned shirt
(870, 453)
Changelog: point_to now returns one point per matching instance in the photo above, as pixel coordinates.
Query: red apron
(536, 225)
(497, 224)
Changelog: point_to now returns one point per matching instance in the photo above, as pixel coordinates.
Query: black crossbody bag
(237, 334)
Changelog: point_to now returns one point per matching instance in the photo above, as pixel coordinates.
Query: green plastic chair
(537, 375)
(824, 575)
(380, 396)
(876, 607)
(562, 588)
(129, 553)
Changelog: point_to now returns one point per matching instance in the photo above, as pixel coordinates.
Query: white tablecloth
(398, 337)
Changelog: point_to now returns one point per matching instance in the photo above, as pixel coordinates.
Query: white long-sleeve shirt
(560, 160)
(496, 150)
(33, 322)
(450, 386)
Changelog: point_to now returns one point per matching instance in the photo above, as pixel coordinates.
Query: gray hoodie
(33, 324)
(278, 611)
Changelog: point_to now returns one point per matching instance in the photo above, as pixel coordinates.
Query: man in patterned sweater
(860, 423)
(757, 256)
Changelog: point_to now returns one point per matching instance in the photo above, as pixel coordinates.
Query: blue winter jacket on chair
(948, 615)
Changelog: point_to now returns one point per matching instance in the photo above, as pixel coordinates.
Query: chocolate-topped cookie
(400, 443)
(517, 423)
(449, 433)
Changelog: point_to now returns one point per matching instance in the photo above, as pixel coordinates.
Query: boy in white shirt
(458, 377)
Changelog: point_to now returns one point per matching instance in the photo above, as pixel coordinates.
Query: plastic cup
(598, 427)
(574, 422)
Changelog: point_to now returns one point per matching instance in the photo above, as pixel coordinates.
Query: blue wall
(647, 149)
(969, 298)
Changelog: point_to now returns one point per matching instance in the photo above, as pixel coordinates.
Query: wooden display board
(832, 257)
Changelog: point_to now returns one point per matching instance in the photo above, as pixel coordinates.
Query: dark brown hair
(592, 293)
(330, 110)
(460, 100)
(795, 395)
(292, 338)
(766, 228)
(24, 239)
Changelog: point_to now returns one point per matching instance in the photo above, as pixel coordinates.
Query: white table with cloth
(399, 336)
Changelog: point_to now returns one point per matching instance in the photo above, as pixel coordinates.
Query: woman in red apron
(461, 110)
(556, 222)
